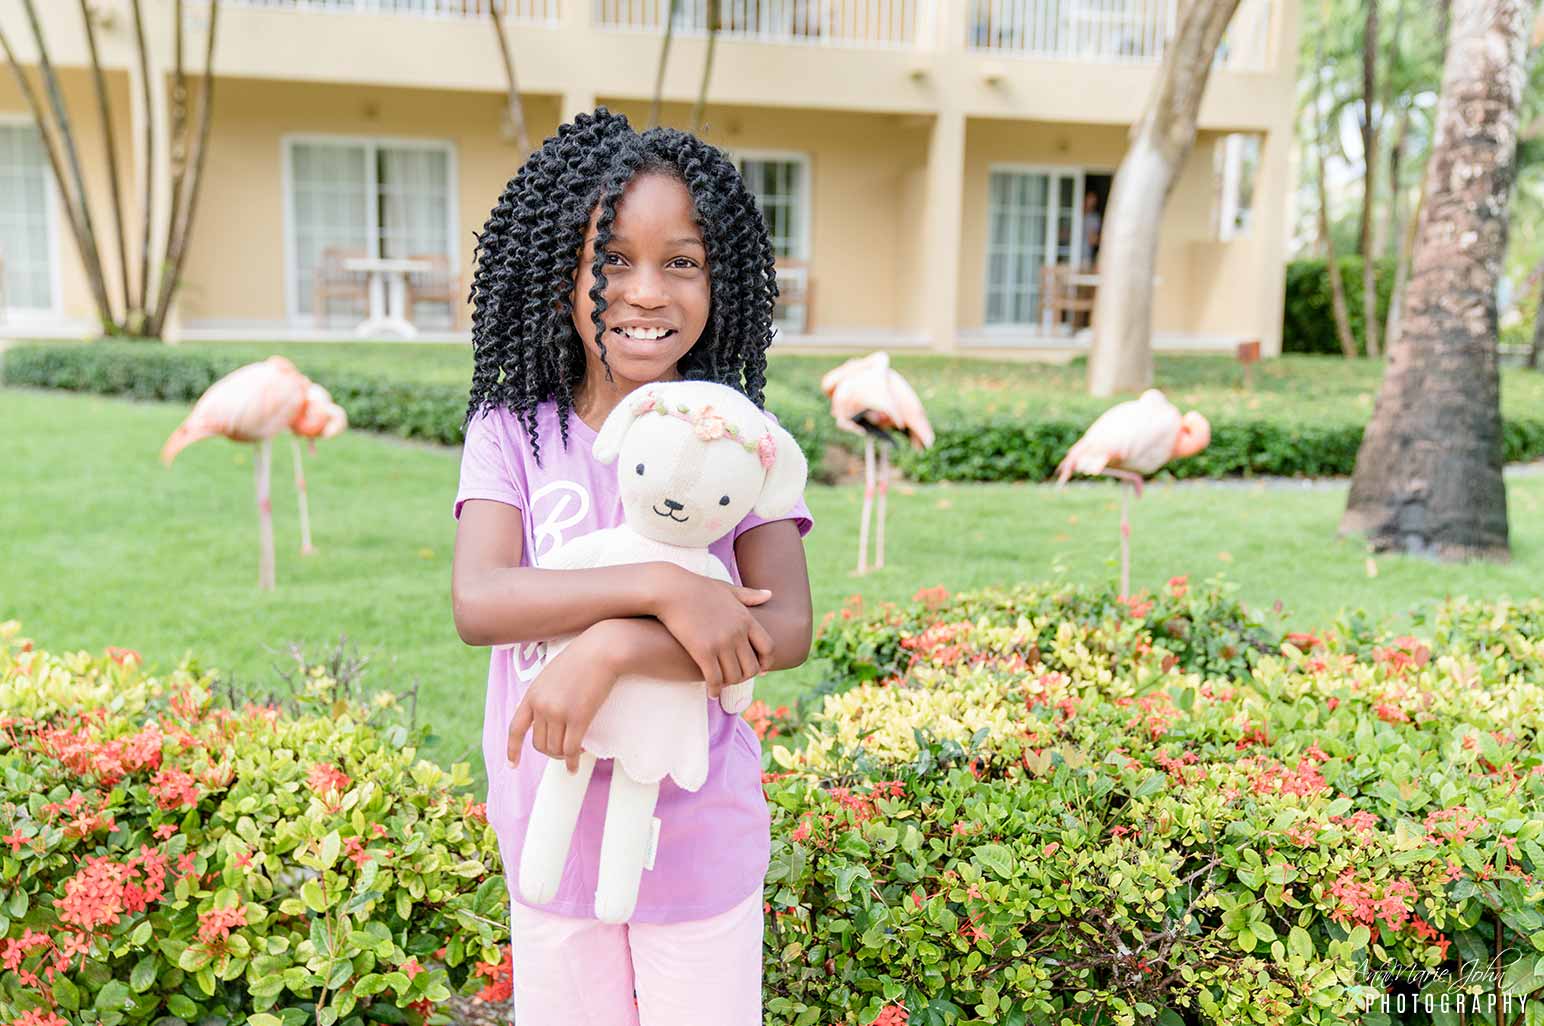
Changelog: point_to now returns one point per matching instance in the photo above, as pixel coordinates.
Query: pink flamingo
(870, 399)
(255, 403)
(1130, 441)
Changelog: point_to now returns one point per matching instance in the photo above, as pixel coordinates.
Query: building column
(578, 27)
(943, 198)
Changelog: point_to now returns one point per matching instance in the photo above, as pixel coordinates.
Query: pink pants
(583, 972)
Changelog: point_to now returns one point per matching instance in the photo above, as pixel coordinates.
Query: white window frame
(1079, 174)
(51, 215)
(372, 143)
(1229, 151)
(803, 160)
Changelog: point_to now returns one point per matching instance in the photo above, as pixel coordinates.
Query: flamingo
(868, 398)
(255, 403)
(1130, 441)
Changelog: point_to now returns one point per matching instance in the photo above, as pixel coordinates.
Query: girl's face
(656, 277)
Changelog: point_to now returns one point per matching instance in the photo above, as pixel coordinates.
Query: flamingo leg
(884, 491)
(1125, 543)
(306, 547)
(265, 570)
(868, 503)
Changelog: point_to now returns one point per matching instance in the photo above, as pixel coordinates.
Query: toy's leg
(623, 846)
(265, 570)
(736, 698)
(300, 489)
(553, 816)
(879, 514)
(868, 502)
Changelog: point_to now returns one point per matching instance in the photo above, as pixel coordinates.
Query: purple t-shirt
(714, 843)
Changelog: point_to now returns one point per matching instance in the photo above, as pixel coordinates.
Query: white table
(388, 293)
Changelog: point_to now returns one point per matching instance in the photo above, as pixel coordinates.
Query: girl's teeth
(645, 336)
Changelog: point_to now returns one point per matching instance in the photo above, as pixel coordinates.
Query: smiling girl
(615, 259)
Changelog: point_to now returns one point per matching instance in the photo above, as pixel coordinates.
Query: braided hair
(524, 346)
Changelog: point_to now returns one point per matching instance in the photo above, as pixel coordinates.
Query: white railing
(516, 10)
(1108, 31)
(850, 23)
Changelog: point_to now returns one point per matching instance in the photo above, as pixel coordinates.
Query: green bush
(1047, 804)
(1308, 317)
(168, 856)
(1315, 437)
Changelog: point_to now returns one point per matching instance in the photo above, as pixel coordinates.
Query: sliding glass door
(1034, 222)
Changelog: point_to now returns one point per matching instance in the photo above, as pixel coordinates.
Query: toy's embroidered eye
(724, 501)
(640, 470)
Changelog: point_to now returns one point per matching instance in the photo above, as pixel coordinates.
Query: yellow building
(920, 163)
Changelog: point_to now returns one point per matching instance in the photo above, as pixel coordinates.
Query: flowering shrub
(164, 856)
(1017, 817)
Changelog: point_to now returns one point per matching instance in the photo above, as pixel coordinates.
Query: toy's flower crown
(710, 425)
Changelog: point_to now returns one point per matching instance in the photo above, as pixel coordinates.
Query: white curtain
(414, 202)
(778, 186)
(330, 183)
(25, 215)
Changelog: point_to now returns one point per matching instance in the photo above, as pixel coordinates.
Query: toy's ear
(785, 479)
(608, 441)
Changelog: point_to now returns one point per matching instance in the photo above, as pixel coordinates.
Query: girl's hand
(564, 697)
(710, 620)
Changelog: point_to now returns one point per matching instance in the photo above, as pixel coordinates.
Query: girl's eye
(640, 470)
(724, 501)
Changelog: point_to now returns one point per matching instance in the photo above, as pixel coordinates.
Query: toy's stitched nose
(673, 506)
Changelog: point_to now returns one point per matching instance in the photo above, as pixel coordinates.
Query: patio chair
(1065, 299)
(433, 286)
(795, 290)
(333, 281)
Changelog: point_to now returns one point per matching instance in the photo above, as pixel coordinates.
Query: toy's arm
(497, 601)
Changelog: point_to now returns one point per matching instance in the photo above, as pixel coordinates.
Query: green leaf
(112, 997)
(331, 847)
(65, 992)
(264, 1019)
(311, 893)
(143, 976)
(181, 1007)
(997, 858)
(1300, 943)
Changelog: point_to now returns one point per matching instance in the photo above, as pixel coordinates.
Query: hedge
(1051, 806)
(991, 448)
(1308, 318)
(1044, 805)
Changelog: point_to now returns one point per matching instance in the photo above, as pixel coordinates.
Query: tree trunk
(1331, 262)
(1537, 348)
(99, 79)
(664, 59)
(1428, 475)
(1369, 177)
(514, 112)
(149, 212)
(700, 108)
(1402, 275)
(1121, 357)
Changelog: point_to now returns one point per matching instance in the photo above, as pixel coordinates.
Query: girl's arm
(496, 601)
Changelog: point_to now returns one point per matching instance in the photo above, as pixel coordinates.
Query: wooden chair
(795, 290)
(434, 286)
(1061, 296)
(333, 281)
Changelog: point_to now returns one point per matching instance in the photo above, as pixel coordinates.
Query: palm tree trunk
(1402, 274)
(664, 58)
(1537, 349)
(1369, 177)
(514, 111)
(149, 211)
(700, 108)
(100, 81)
(1428, 475)
(179, 151)
(1338, 304)
(182, 230)
(1121, 357)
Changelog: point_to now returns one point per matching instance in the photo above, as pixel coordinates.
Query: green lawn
(103, 546)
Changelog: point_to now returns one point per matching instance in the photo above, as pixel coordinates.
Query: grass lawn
(103, 546)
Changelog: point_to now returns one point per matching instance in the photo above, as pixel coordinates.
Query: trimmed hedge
(984, 447)
(1308, 317)
(1048, 805)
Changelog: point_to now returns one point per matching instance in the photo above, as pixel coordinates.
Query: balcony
(1108, 31)
(516, 10)
(868, 24)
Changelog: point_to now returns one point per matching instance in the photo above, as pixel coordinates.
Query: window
(780, 185)
(1034, 223)
(365, 198)
(1235, 164)
(26, 229)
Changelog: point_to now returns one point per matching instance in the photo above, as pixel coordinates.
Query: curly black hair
(525, 350)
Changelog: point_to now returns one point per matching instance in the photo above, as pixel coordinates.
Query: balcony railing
(515, 10)
(1108, 31)
(883, 24)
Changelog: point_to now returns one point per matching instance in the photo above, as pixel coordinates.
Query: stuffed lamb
(693, 458)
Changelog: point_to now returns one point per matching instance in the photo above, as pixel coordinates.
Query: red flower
(174, 788)
(1179, 585)
(411, 968)
(124, 656)
(325, 777)
(891, 1015)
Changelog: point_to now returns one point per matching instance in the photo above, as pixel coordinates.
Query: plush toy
(693, 458)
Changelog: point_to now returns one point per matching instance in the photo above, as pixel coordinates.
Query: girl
(612, 260)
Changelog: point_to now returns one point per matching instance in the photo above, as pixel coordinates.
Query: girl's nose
(645, 288)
